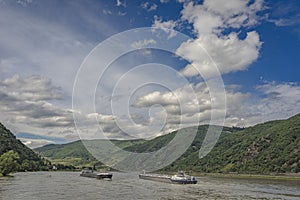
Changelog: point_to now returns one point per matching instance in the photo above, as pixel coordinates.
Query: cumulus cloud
(242, 109)
(229, 52)
(179, 108)
(33, 88)
(185, 108)
(210, 17)
(27, 100)
(31, 105)
(25, 104)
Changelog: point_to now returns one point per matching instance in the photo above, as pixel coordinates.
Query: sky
(176, 64)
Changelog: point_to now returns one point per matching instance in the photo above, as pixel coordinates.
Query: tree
(9, 162)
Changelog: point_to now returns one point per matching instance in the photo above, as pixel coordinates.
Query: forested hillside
(27, 159)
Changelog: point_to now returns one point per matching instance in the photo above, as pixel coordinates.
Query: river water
(127, 186)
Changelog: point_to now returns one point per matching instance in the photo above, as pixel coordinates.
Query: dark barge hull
(104, 175)
(97, 176)
(185, 181)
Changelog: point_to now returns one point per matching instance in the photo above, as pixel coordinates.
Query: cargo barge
(180, 178)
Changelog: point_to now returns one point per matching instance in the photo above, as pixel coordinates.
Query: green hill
(67, 154)
(28, 159)
(75, 153)
(271, 147)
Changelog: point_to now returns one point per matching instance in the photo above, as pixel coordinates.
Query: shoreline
(280, 177)
(283, 177)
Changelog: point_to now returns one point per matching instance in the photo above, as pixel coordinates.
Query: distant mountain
(271, 147)
(28, 159)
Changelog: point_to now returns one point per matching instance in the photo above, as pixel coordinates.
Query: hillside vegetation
(75, 153)
(27, 160)
(271, 147)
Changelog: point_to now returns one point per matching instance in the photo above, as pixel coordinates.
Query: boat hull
(97, 175)
(104, 176)
(184, 181)
(89, 175)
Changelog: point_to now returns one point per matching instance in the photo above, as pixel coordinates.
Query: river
(127, 186)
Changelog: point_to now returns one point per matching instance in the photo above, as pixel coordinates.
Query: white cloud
(149, 6)
(166, 26)
(143, 43)
(121, 3)
(243, 109)
(27, 100)
(228, 51)
(181, 108)
(32, 105)
(211, 17)
(33, 88)
(185, 108)
(25, 104)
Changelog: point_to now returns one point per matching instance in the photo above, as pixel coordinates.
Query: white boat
(182, 178)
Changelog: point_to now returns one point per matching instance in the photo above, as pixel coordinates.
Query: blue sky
(254, 44)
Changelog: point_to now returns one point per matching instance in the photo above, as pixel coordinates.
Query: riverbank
(284, 177)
